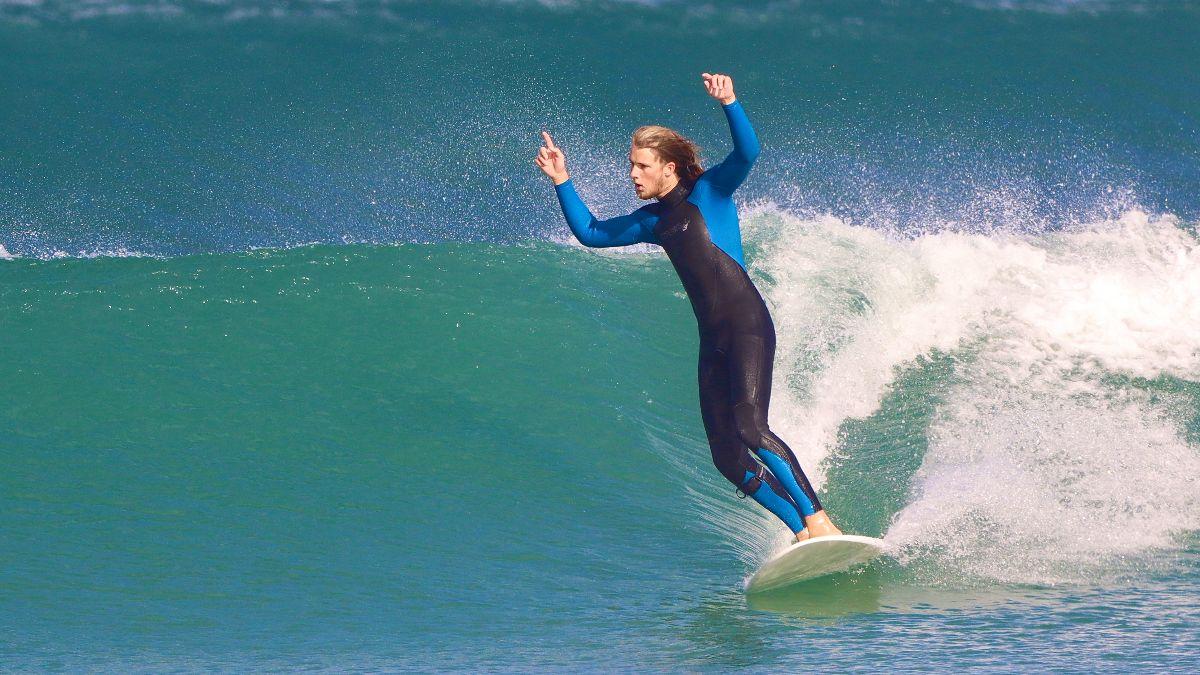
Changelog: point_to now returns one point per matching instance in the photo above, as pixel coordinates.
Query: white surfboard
(813, 558)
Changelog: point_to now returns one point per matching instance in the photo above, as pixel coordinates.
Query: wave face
(298, 367)
(372, 456)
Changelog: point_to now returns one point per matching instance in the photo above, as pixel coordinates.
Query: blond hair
(671, 146)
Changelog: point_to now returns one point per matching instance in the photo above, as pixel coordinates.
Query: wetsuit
(697, 225)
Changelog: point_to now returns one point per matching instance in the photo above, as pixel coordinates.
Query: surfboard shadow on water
(857, 591)
(885, 586)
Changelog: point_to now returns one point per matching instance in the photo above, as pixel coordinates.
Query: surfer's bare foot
(819, 525)
(801, 535)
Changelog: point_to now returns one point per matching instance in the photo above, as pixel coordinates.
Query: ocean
(301, 368)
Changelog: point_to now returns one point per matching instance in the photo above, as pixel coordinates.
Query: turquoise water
(299, 369)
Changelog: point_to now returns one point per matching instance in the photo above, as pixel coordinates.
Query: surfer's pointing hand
(719, 87)
(552, 161)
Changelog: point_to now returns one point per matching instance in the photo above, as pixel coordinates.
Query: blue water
(299, 368)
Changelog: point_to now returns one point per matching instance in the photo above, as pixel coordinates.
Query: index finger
(549, 142)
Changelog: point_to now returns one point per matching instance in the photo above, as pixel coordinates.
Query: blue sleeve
(729, 174)
(619, 231)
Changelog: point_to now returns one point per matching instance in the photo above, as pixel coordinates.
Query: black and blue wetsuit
(697, 225)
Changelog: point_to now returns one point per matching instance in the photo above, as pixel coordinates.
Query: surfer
(695, 221)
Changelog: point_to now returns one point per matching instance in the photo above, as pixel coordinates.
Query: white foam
(1044, 464)
(1028, 486)
(117, 252)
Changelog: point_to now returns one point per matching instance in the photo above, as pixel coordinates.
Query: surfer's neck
(675, 194)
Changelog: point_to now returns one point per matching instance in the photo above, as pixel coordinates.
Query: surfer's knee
(731, 468)
(748, 425)
(750, 482)
(761, 486)
(731, 459)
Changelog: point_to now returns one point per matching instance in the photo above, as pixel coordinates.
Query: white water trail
(1051, 459)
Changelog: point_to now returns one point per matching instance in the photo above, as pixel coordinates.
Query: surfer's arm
(729, 174)
(591, 231)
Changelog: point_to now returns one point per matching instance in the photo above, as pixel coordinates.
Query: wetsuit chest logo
(680, 225)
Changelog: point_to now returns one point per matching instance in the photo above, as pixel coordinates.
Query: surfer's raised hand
(552, 161)
(719, 87)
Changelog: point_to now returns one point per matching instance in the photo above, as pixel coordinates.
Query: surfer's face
(650, 175)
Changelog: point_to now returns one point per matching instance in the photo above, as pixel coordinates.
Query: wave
(1058, 446)
(1002, 408)
(1049, 380)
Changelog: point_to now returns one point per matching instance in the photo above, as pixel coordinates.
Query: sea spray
(1052, 457)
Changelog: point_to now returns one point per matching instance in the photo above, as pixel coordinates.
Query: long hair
(671, 146)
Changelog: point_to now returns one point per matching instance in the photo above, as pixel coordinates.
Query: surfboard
(814, 558)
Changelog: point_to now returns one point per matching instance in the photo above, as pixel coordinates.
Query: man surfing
(695, 220)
